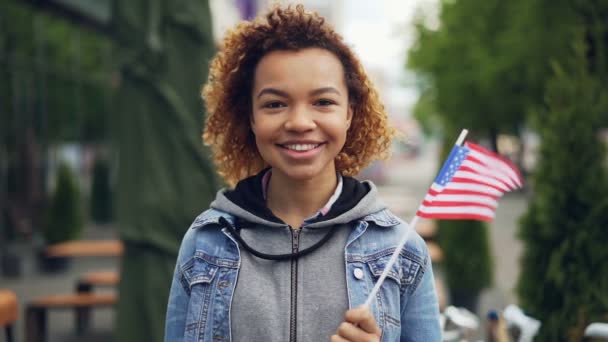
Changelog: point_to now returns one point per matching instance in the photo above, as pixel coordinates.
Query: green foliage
(467, 259)
(487, 63)
(101, 193)
(65, 217)
(56, 76)
(564, 277)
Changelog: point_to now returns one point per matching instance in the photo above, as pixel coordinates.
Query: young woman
(293, 250)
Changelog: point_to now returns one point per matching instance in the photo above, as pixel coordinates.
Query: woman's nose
(299, 120)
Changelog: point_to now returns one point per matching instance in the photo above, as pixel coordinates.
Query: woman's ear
(349, 116)
(251, 124)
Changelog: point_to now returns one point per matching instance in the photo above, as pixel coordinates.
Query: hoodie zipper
(295, 245)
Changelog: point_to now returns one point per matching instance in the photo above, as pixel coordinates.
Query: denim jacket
(208, 264)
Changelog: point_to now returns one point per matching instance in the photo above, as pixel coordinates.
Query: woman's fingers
(337, 338)
(353, 333)
(359, 326)
(362, 317)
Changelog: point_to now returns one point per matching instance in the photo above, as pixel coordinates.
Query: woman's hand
(359, 326)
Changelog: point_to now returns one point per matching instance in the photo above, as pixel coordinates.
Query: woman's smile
(301, 151)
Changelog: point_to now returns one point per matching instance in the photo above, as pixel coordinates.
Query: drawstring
(261, 255)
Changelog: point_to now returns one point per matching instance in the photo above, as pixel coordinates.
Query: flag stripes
(469, 184)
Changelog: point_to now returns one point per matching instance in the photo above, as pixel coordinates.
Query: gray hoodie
(293, 299)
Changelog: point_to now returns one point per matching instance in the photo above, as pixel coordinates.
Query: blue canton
(451, 165)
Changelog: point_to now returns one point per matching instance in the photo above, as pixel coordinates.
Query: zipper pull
(295, 243)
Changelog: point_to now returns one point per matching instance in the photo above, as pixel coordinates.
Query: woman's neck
(293, 201)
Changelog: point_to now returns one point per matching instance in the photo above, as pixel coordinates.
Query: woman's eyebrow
(324, 90)
(272, 91)
(282, 93)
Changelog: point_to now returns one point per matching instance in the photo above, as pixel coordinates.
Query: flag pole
(412, 227)
(462, 136)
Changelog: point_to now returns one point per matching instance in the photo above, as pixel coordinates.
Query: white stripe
(484, 170)
(467, 199)
(483, 211)
(474, 187)
(497, 165)
(436, 187)
(481, 178)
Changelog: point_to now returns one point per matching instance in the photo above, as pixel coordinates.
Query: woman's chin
(305, 173)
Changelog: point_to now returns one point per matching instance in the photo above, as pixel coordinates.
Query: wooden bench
(97, 278)
(85, 284)
(36, 311)
(83, 248)
(9, 312)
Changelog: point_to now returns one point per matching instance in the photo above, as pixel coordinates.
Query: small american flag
(469, 184)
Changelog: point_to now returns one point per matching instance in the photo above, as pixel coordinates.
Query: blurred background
(102, 168)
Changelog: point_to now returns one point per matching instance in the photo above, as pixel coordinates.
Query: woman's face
(300, 112)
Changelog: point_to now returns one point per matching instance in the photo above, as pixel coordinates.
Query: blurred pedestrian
(291, 252)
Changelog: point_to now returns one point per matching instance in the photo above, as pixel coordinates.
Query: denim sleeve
(420, 309)
(177, 308)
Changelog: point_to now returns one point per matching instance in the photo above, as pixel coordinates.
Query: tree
(564, 277)
(65, 218)
(486, 64)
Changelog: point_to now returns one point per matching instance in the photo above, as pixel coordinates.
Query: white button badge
(358, 273)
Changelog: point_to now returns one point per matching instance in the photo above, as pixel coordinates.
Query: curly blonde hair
(227, 93)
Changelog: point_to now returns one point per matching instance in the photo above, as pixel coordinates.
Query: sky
(381, 32)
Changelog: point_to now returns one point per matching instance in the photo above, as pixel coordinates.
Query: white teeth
(301, 147)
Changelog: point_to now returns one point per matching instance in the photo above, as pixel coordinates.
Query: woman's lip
(301, 155)
(300, 142)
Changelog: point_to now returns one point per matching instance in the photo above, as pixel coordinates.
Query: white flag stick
(412, 226)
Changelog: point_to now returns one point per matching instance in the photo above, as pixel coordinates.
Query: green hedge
(65, 216)
(564, 276)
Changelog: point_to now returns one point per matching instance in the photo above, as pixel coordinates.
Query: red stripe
(468, 192)
(475, 160)
(455, 216)
(439, 203)
(471, 181)
(462, 192)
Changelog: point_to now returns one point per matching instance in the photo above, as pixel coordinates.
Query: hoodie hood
(246, 201)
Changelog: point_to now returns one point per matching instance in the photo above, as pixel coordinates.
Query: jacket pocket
(403, 271)
(198, 276)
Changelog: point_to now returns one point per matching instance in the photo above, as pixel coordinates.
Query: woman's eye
(274, 105)
(324, 102)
